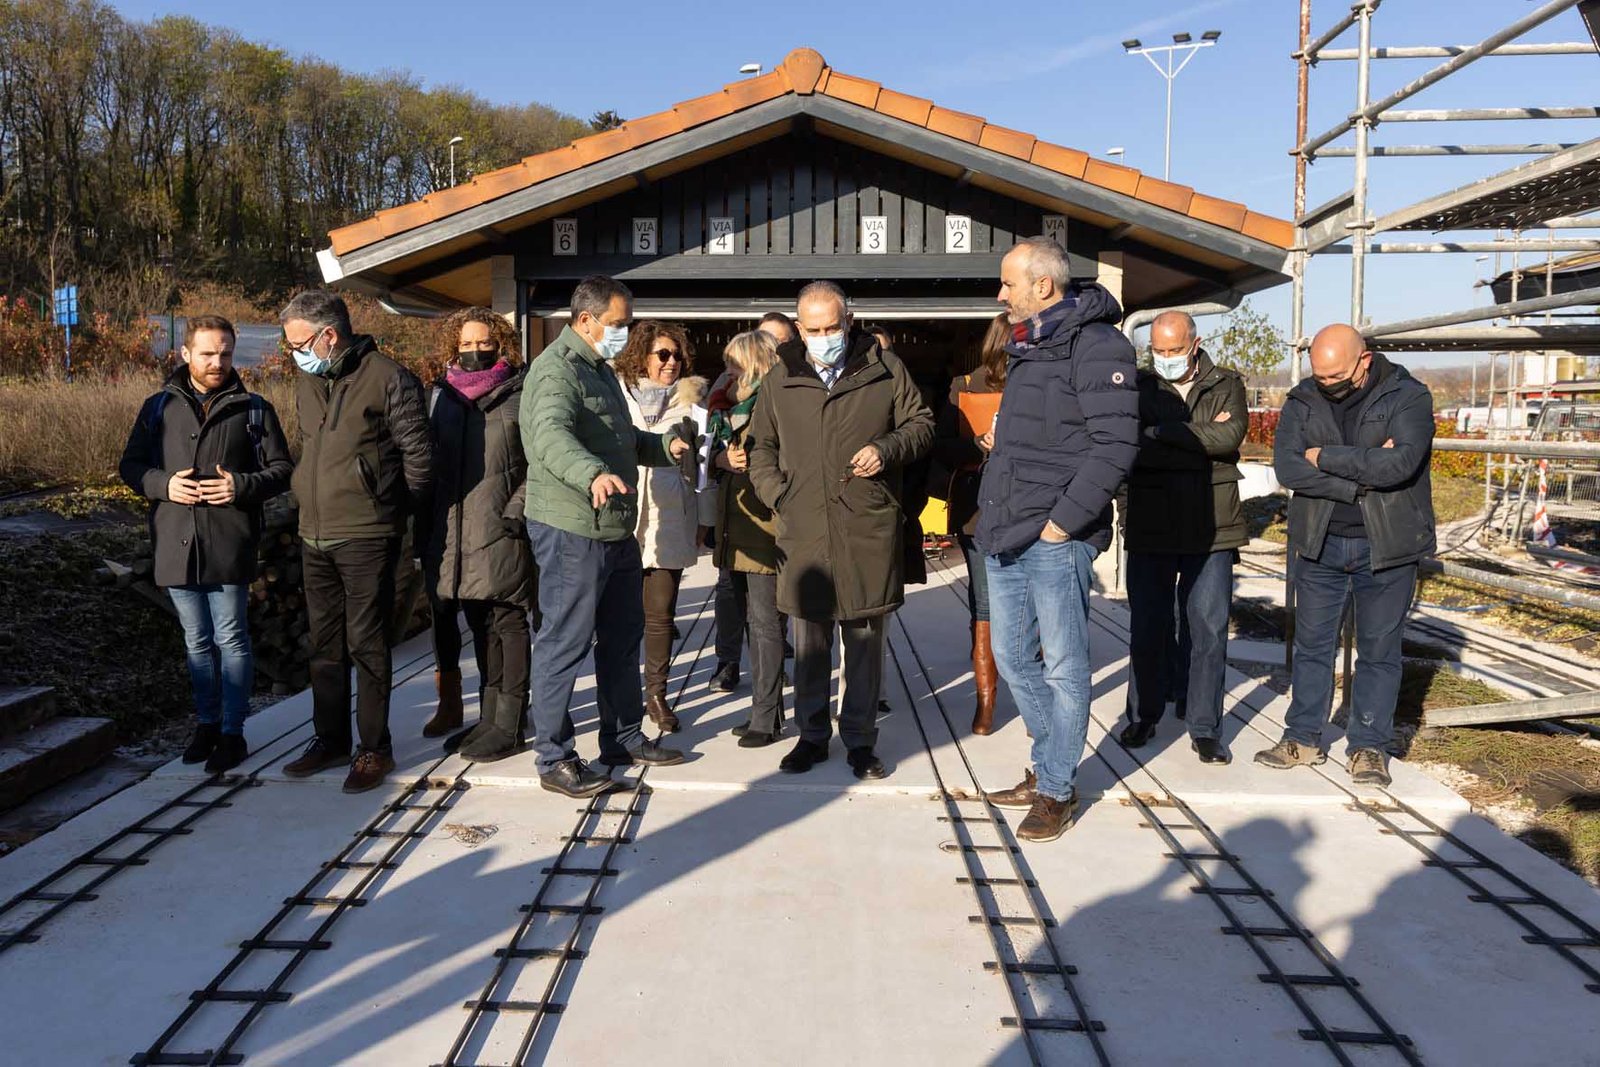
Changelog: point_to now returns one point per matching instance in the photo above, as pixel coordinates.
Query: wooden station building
(719, 209)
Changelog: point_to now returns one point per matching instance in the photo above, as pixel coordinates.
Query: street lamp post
(750, 68)
(1181, 42)
(453, 142)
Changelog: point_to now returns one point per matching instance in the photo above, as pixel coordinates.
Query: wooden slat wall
(805, 196)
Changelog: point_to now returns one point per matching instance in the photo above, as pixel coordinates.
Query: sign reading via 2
(721, 243)
(875, 235)
(958, 233)
(644, 236)
(564, 238)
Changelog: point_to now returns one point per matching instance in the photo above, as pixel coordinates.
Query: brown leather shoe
(447, 717)
(664, 717)
(1020, 795)
(318, 756)
(986, 678)
(368, 771)
(1048, 819)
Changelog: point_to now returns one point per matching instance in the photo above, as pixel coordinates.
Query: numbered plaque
(875, 235)
(564, 237)
(644, 236)
(958, 233)
(721, 243)
(1055, 228)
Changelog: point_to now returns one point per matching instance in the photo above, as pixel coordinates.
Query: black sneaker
(725, 679)
(229, 753)
(204, 741)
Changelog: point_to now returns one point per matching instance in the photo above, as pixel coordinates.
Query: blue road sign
(67, 305)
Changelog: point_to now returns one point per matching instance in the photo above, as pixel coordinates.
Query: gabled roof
(804, 73)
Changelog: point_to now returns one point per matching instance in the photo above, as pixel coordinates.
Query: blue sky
(1062, 76)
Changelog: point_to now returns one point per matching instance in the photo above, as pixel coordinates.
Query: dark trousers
(660, 607)
(732, 592)
(977, 579)
(863, 678)
(349, 603)
(1199, 587)
(447, 635)
(766, 652)
(1321, 588)
(591, 595)
(500, 639)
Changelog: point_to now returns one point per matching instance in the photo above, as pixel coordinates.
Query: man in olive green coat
(837, 421)
(583, 469)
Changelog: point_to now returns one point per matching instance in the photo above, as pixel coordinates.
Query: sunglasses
(666, 354)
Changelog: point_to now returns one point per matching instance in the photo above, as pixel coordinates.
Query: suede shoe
(368, 771)
(866, 765)
(803, 756)
(725, 679)
(1137, 734)
(318, 756)
(1020, 795)
(1049, 818)
(204, 741)
(649, 753)
(229, 753)
(1366, 767)
(1211, 750)
(574, 778)
(1287, 754)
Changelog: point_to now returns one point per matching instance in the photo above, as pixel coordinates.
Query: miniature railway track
(549, 931)
(80, 878)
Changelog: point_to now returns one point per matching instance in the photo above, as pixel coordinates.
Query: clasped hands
(184, 488)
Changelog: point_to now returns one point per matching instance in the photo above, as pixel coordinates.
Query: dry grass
(61, 433)
(1558, 776)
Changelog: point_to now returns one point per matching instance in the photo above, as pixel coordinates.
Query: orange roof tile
(804, 71)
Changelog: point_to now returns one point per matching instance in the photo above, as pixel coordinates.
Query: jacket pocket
(368, 480)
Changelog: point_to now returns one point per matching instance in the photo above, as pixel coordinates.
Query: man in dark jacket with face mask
(207, 453)
(366, 467)
(1184, 528)
(1353, 444)
(1064, 439)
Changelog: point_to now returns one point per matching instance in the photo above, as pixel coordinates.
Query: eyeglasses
(666, 354)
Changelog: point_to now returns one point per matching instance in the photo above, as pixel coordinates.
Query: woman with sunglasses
(478, 557)
(673, 510)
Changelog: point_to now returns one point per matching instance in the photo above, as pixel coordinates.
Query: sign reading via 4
(721, 243)
(958, 233)
(644, 237)
(564, 240)
(875, 235)
(1055, 228)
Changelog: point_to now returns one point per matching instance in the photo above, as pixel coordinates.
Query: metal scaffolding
(1554, 191)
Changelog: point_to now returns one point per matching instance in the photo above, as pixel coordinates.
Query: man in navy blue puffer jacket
(1066, 436)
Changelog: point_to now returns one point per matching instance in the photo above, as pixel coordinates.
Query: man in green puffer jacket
(584, 456)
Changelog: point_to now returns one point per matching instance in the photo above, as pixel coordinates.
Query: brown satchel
(977, 414)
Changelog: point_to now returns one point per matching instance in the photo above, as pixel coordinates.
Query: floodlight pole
(1170, 73)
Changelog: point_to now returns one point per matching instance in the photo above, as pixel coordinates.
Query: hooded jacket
(1067, 431)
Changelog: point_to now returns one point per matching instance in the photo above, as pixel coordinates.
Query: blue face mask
(1172, 368)
(612, 344)
(308, 360)
(826, 349)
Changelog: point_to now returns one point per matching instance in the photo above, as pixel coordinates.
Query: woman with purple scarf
(477, 558)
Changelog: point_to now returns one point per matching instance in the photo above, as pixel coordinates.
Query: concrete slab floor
(763, 918)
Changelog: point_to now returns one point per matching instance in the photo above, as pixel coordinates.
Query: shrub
(32, 348)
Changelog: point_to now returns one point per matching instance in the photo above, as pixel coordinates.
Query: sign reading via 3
(958, 233)
(875, 234)
(564, 237)
(1055, 228)
(644, 237)
(721, 243)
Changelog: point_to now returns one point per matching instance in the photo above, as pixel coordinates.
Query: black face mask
(470, 359)
(1338, 391)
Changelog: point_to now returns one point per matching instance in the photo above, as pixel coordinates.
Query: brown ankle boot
(986, 677)
(448, 716)
(663, 716)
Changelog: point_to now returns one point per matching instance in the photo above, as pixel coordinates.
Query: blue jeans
(216, 634)
(591, 594)
(1202, 586)
(1321, 587)
(977, 579)
(1044, 589)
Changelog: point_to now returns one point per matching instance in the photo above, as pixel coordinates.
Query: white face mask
(1172, 368)
(826, 349)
